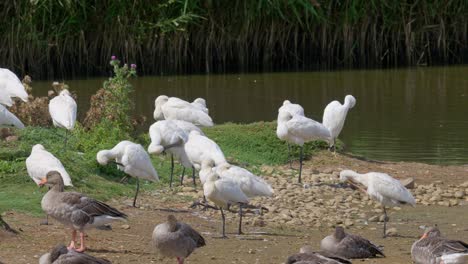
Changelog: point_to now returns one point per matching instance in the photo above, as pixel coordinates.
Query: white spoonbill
(250, 184)
(334, 116)
(62, 109)
(132, 159)
(175, 108)
(200, 148)
(223, 192)
(167, 136)
(11, 86)
(9, 119)
(293, 109)
(40, 162)
(382, 188)
(298, 129)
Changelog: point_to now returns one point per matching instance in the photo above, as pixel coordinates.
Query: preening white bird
(293, 109)
(173, 108)
(167, 135)
(200, 148)
(132, 159)
(201, 104)
(9, 119)
(62, 109)
(334, 116)
(382, 188)
(250, 184)
(40, 162)
(223, 192)
(11, 86)
(298, 129)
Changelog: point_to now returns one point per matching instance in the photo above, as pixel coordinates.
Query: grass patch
(249, 145)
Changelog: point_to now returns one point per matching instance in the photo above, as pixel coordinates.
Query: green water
(417, 114)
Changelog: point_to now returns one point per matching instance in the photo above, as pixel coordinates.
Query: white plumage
(200, 148)
(294, 127)
(334, 116)
(40, 162)
(9, 119)
(173, 108)
(62, 109)
(131, 158)
(457, 258)
(201, 104)
(223, 192)
(11, 86)
(167, 135)
(381, 188)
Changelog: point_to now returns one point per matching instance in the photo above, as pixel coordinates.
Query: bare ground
(269, 244)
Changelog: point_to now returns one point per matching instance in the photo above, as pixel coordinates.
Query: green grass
(249, 145)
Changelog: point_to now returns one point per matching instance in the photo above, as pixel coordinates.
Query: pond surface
(416, 114)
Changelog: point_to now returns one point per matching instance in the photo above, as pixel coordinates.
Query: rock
(459, 194)
(11, 138)
(444, 203)
(258, 222)
(464, 185)
(348, 223)
(188, 189)
(391, 232)
(374, 218)
(408, 182)
(125, 227)
(453, 202)
(382, 218)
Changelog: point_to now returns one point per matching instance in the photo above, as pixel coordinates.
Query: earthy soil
(130, 242)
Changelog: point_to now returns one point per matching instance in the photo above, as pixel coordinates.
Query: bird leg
(72, 242)
(82, 243)
(182, 176)
(289, 156)
(385, 223)
(172, 170)
(137, 190)
(180, 260)
(300, 163)
(45, 221)
(193, 177)
(224, 223)
(239, 232)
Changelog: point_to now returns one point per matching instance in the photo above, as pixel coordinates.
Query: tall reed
(56, 38)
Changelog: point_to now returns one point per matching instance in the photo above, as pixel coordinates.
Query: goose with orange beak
(75, 210)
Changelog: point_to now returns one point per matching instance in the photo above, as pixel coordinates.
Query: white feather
(40, 162)
(223, 191)
(62, 109)
(458, 258)
(334, 116)
(381, 187)
(11, 86)
(173, 108)
(135, 160)
(200, 148)
(9, 119)
(299, 129)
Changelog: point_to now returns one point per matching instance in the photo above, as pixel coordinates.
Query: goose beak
(424, 236)
(43, 182)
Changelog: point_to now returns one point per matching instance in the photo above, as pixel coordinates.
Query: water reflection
(418, 114)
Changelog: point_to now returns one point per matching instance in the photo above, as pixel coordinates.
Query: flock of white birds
(177, 132)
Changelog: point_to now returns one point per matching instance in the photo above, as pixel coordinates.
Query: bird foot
(81, 249)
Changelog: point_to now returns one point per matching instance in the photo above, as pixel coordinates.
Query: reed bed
(67, 38)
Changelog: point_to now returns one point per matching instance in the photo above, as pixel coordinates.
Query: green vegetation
(63, 37)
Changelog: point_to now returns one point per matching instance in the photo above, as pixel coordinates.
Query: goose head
(52, 179)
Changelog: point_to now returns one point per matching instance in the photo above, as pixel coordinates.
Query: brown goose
(176, 239)
(61, 255)
(349, 246)
(75, 210)
(307, 256)
(432, 248)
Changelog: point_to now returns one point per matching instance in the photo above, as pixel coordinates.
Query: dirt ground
(130, 242)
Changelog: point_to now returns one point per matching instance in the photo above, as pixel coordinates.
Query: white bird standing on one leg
(299, 129)
(382, 188)
(9, 119)
(293, 109)
(11, 86)
(223, 192)
(334, 117)
(62, 109)
(167, 136)
(171, 108)
(133, 160)
(250, 184)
